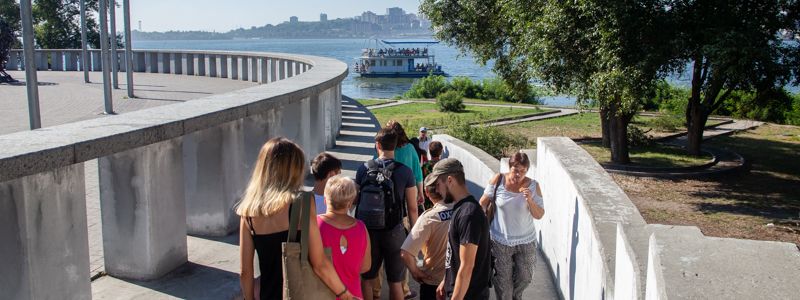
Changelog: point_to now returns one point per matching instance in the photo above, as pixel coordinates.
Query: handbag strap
(294, 218)
(493, 206)
(305, 211)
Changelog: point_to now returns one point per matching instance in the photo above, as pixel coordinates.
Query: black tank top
(268, 247)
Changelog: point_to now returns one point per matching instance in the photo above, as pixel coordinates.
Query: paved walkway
(65, 98)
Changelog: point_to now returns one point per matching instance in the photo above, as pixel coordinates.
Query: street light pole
(84, 53)
(114, 55)
(31, 82)
(109, 106)
(126, 15)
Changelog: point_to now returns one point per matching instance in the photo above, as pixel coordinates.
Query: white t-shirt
(320, 201)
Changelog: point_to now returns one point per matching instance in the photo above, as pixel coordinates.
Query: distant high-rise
(293, 19)
(323, 17)
(140, 25)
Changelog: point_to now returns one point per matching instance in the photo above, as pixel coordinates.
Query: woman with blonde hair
(264, 210)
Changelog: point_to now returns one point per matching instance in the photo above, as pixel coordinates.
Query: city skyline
(161, 16)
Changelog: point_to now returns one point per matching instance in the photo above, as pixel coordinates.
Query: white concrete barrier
(164, 171)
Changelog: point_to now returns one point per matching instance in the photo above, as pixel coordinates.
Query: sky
(224, 15)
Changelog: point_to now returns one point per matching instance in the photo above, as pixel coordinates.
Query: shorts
(385, 247)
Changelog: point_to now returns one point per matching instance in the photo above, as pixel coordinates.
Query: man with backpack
(387, 194)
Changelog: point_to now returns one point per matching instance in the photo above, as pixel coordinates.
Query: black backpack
(377, 207)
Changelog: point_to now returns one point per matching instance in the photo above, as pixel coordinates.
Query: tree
(7, 39)
(9, 12)
(57, 24)
(606, 52)
(733, 45)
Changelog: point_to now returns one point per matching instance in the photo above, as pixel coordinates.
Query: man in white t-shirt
(323, 166)
(424, 141)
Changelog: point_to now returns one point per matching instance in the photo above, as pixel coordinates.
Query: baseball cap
(423, 128)
(445, 166)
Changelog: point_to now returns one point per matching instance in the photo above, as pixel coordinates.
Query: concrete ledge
(31, 152)
(479, 166)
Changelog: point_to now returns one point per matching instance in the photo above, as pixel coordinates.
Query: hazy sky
(224, 15)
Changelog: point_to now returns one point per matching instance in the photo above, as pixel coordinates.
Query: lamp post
(31, 82)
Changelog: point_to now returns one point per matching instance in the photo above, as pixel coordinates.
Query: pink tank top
(348, 247)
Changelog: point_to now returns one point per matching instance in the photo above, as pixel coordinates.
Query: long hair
(277, 177)
(402, 138)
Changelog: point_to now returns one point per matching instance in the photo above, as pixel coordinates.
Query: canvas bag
(299, 280)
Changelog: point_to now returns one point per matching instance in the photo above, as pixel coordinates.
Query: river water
(347, 50)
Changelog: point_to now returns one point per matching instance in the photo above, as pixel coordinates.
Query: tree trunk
(619, 139)
(695, 123)
(605, 127)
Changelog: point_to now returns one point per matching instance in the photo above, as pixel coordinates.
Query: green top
(407, 155)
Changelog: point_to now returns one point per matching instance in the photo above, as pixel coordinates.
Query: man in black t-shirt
(386, 243)
(467, 276)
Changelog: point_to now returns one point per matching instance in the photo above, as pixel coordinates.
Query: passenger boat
(398, 59)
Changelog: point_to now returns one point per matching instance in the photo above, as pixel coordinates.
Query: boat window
(399, 62)
(372, 63)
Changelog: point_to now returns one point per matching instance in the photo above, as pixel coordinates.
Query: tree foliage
(606, 52)
(734, 45)
(56, 23)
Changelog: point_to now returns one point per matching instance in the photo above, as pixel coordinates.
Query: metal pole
(109, 108)
(84, 53)
(126, 15)
(114, 55)
(31, 82)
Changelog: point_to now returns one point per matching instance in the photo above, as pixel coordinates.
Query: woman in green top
(406, 154)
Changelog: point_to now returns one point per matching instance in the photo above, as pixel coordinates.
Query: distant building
(396, 16)
(323, 17)
(293, 19)
(369, 17)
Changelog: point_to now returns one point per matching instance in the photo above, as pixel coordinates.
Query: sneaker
(411, 295)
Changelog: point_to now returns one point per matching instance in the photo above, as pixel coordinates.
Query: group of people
(396, 52)
(457, 248)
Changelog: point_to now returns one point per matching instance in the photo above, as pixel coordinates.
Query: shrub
(489, 139)
(667, 122)
(450, 101)
(792, 117)
(466, 86)
(493, 88)
(427, 87)
(638, 138)
(668, 98)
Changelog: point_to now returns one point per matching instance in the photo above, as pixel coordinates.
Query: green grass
(650, 156)
(582, 125)
(370, 102)
(414, 115)
(481, 101)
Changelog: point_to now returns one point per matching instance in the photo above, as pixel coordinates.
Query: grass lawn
(737, 206)
(415, 115)
(665, 125)
(582, 125)
(651, 156)
(369, 102)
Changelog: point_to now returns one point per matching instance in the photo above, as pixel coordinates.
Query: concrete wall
(583, 233)
(479, 166)
(163, 171)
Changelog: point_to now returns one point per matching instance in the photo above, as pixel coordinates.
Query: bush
(667, 122)
(450, 101)
(489, 139)
(668, 98)
(494, 88)
(427, 87)
(638, 138)
(793, 117)
(466, 86)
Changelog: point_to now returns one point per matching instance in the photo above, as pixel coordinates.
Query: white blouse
(513, 223)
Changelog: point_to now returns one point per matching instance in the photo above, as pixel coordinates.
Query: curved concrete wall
(479, 166)
(163, 171)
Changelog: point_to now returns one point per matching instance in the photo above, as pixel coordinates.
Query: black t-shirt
(469, 225)
(402, 177)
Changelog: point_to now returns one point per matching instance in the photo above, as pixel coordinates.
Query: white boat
(398, 59)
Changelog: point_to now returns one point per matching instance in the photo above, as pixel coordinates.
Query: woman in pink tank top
(345, 236)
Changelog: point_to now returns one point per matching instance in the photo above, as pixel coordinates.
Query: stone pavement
(65, 98)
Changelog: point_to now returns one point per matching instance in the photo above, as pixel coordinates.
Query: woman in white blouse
(512, 201)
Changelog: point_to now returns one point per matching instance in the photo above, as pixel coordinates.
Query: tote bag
(299, 280)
